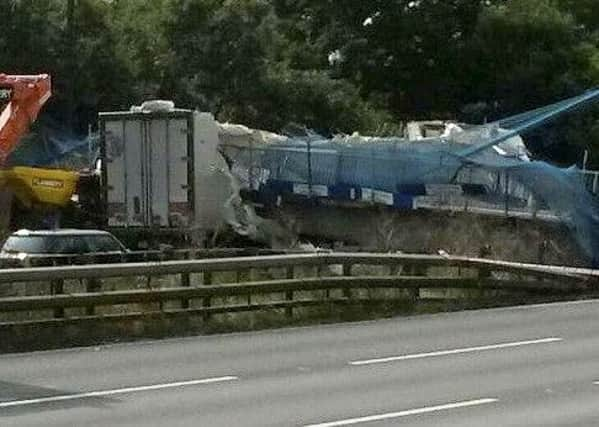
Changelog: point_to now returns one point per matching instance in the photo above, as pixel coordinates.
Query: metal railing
(335, 275)
(49, 260)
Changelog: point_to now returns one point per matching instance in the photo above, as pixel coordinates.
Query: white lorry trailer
(160, 170)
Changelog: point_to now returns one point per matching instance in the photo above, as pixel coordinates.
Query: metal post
(185, 283)
(239, 279)
(484, 272)
(309, 146)
(347, 273)
(92, 286)
(57, 288)
(289, 294)
(251, 171)
(507, 193)
(207, 301)
(239, 276)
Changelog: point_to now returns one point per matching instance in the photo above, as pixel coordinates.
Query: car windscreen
(34, 244)
(102, 243)
(62, 244)
(5, 97)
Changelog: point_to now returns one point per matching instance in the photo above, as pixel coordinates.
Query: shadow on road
(10, 392)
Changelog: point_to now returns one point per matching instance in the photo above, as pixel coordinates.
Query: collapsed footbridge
(483, 169)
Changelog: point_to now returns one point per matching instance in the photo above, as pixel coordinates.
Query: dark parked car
(64, 246)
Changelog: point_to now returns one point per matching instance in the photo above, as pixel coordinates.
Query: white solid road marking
(113, 392)
(407, 413)
(455, 351)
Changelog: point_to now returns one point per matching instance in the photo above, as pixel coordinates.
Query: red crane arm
(21, 99)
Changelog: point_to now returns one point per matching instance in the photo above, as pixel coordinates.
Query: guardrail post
(239, 275)
(319, 273)
(347, 273)
(484, 272)
(394, 271)
(185, 281)
(57, 288)
(415, 269)
(91, 286)
(207, 300)
(507, 194)
(239, 279)
(289, 294)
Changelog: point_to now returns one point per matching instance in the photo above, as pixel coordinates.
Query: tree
(236, 58)
(530, 53)
(34, 39)
(31, 38)
(332, 65)
(138, 29)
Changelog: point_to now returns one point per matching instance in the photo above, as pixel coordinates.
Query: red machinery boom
(21, 99)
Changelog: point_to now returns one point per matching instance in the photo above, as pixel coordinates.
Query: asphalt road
(533, 366)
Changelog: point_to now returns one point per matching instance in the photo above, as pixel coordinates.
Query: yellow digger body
(37, 186)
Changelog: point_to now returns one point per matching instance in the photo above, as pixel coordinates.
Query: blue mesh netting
(491, 157)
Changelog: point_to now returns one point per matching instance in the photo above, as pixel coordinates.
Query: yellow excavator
(21, 100)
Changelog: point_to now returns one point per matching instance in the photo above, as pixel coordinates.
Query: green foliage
(30, 35)
(334, 66)
(316, 100)
(141, 44)
(532, 52)
(237, 60)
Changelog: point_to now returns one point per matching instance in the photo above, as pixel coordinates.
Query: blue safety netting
(51, 145)
(484, 168)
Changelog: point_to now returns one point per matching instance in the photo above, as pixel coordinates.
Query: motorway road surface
(527, 366)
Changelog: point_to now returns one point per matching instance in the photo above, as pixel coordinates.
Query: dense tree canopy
(331, 65)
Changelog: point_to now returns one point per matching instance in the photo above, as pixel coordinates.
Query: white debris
(335, 57)
(154, 106)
